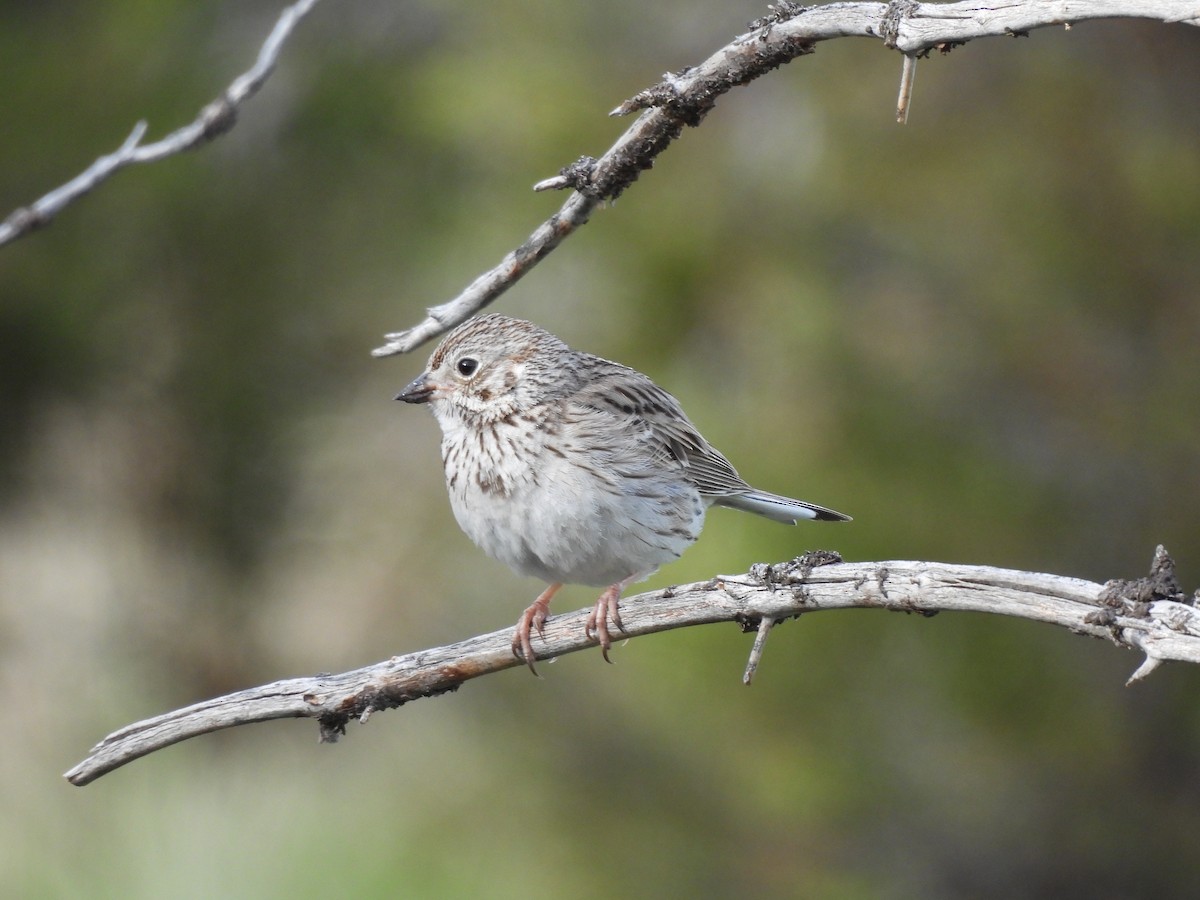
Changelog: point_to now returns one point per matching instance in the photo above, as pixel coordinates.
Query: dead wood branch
(1151, 615)
(215, 119)
(685, 98)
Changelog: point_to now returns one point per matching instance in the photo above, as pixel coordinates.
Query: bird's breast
(492, 459)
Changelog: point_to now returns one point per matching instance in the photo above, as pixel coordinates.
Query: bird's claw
(535, 616)
(607, 607)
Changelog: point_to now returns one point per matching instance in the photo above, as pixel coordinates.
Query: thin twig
(491, 284)
(756, 652)
(1150, 614)
(213, 120)
(907, 74)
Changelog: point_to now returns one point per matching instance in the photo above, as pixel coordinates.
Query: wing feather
(635, 404)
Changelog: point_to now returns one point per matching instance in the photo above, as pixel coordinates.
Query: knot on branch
(893, 16)
(24, 219)
(687, 96)
(943, 48)
(578, 176)
(378, 695)
(779, 12)
(332, 728)
(217, 118)
(688, 106)
(1133, 598)
(794, 571)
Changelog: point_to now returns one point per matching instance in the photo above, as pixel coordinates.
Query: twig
(756, 652)
(1150, 614)
(686, 97)
(907, 75)
(491, 284)
(215, 119)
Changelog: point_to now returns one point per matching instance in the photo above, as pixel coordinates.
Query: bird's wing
(627, 400)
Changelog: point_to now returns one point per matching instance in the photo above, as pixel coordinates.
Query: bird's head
(489, 367)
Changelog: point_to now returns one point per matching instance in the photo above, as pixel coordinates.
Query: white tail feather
(781, 509)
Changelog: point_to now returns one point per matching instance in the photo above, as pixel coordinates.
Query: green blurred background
(977, 334)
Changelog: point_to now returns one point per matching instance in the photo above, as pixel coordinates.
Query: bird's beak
(418, 390)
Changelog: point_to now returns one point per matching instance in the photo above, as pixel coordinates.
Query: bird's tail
(781, 509)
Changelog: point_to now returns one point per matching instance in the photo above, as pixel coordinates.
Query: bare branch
(491, 284)
(214, 120)
(1150, 614)
(683, 99)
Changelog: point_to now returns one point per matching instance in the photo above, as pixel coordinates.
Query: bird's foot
(607, 607)
(533, 617)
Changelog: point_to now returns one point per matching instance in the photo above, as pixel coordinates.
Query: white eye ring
(467, 366)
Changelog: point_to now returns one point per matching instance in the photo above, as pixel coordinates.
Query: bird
(572, 468)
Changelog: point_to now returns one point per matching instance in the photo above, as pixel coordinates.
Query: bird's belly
(551, 519)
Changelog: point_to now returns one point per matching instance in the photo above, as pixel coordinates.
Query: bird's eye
(467, 366)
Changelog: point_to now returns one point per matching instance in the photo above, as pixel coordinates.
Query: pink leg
(533, 617)
(607, 607)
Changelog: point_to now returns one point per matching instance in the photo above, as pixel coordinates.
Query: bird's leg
(607, 607)
(533, 617)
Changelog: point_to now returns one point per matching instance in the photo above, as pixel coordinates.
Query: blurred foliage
(976, 333)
